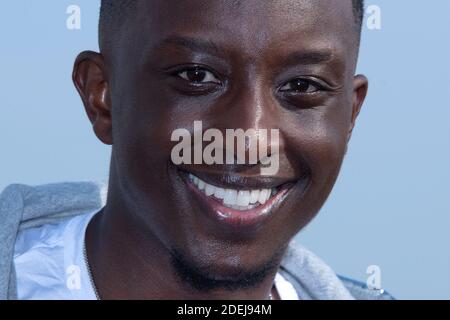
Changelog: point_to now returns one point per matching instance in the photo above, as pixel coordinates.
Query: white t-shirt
(50, 263)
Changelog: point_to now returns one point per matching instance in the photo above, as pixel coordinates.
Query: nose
(252, 109)
(251, 105)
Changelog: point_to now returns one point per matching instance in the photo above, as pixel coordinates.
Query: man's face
(282, 64)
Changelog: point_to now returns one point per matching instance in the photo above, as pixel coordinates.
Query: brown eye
(198, 75)
(300, 86)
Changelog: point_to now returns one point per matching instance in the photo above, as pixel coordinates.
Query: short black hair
(112, 15)
(114, 12)
(358, 9)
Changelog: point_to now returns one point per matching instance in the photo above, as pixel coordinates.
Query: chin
(208, 271)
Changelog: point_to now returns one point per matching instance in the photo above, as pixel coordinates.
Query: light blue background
(390, 206)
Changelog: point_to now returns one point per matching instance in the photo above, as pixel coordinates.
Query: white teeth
(234, 199)
(243, 208)
(230, 197)
(264, 196)
(209, 190)
(219, 193)
(254, 196)
(243, 198)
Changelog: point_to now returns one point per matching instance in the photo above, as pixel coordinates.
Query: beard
(205, 279)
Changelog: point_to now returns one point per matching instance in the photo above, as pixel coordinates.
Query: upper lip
(229, 180)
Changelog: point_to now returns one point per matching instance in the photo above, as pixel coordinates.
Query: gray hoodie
(23, 207)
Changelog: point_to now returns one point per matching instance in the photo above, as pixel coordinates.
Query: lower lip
(248, 219)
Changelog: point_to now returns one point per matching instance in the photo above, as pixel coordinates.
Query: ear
(89, 77)
(360, 87)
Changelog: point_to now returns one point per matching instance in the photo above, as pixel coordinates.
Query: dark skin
(285, 64)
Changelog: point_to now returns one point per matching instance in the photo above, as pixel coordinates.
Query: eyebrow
(193, 44)
(201, 45)
(308, 58)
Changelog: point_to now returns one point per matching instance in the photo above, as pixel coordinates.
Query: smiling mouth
(239, 204)
(241, 200)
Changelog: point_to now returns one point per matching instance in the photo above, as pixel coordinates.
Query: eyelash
(319, 86)
(309, 82)
(210, 73)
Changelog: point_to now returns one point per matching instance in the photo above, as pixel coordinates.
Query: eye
(301, 86)
(198, 75)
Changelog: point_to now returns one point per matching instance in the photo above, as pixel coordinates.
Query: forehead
(250, 27)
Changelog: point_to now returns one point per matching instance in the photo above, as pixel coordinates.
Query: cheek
(326, 150)
(143, 124)
(141, 149)
(141, 155)
(318, 144)
(320, 139)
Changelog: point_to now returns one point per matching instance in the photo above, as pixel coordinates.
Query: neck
(127, 261)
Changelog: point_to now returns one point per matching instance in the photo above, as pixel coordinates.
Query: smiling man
(194, 230)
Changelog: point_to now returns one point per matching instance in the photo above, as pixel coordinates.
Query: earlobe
(360, 88)
(89, 77)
